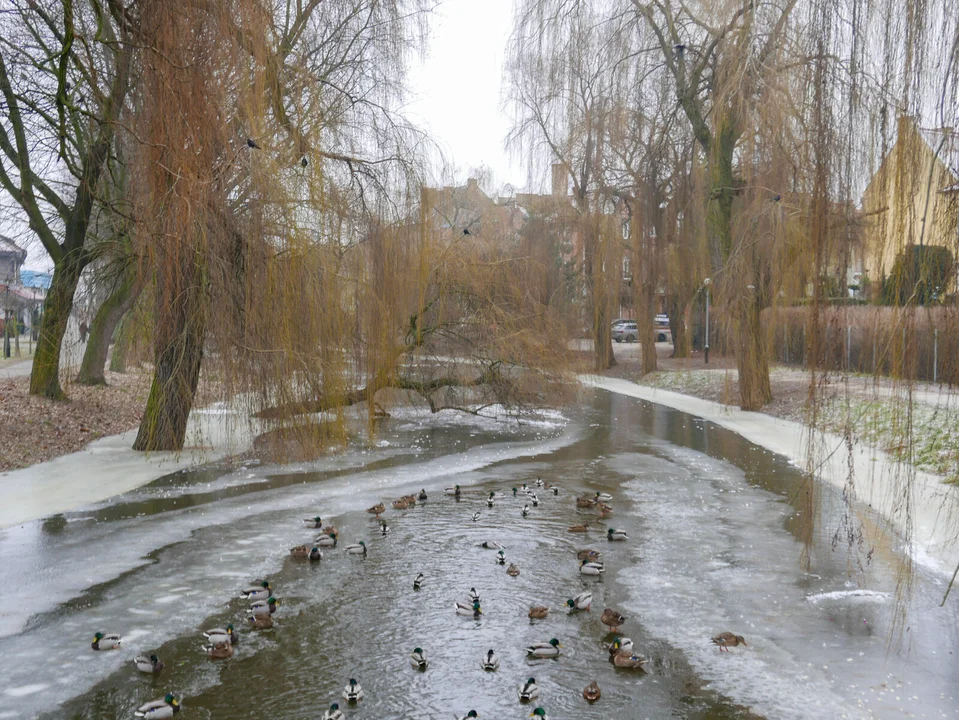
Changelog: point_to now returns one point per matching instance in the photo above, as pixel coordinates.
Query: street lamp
(707, 282)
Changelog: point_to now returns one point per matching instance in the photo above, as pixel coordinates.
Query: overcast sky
(457, 91)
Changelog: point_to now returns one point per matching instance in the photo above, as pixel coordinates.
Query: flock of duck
(219, 642)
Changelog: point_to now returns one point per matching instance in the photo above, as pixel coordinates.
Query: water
(715, 526)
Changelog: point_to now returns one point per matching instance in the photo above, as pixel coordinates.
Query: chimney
(560, 182)
(472, 184)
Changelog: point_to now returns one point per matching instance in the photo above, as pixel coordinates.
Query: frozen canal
(720, 532)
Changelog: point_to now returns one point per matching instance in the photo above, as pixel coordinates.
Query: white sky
(457, 92)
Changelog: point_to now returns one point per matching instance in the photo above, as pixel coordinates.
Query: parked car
(625, 332)
(661, 328)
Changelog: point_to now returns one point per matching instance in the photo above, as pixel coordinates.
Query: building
(16, 301)
(12, 257)
(913, 199)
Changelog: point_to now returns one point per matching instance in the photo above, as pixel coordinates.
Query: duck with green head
(328, 540)
(583, 601)
(529, 690)
(259, 592)
(357, 549)
(539, 713)
(544, 650)
(467, 610)
(314, 523)
(353, 692)
(265, 607)
(418, 659)
(219, 635)
(102, 641)
(334, 713)
(613, 535)
(159, 709)
(468, 716)
(151, 664)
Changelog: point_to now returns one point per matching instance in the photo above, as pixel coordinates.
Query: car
(661, 328)
(625, 332)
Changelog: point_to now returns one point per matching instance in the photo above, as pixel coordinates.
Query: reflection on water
(715, 545)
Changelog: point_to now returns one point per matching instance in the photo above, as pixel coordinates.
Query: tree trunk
(101, 332)
(677, 325)
(121, 348)
(45, 374)
(751, 359)
(179, 352)
(645, 326)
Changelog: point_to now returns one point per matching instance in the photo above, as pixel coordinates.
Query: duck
(401, 504)
(418, 581)
(328, 540)
(514, 492)
(529, 690)
(612, 618)
(315, 523)
(265, 607)
(492, 545)
(476, 516)
(489, 500)
(422, 496)
(538, 612)
(619, 644)
(329, 529)
(539, 482)
(151, 664)
(544, 650)
(334, 713)
(512, 570)
(219, 651)
(585, 502)
(474, 596)
(539, 713)
(628, 659)
(500, 558)
(525, 510)
(591, 692)
(418, 659)
(605, 510)
(261, 622)
(454, 491)
(580, 602)
(410, 500)
(384, 528)
(468, 716)
(261, 592)
(159, 709)
(578, 528)
(357, 549)
(465, 609)
(306, 552)
(602, 497)
(353, 692)
(613, 535)
(219, 635)
(105, 641)
(377, 509)
(588, 554)
(591, 568)
(535, 500)
(555, 489)
(727, 640)
(490, 661)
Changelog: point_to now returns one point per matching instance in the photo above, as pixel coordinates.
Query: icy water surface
(716, 534)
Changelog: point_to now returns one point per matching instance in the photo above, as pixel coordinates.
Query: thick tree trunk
(101, 332)
(677, 326)
(45, 374)
(645, 325)
(603, 336)
(751, 358)
(118, 361)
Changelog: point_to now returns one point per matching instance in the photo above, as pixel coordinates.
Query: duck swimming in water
(103, 641)
(544, 650)
(358, 549)
(613, 535)
(538, 612)
(328, 540)
(219, 635)
(591, 692)
(151, 664)
(418, 659)
(529, 690)
(334, 713)
(580, 602)
(418, 581)
(490, 661)
(260, 592)
(353, 692)
(465, 609)
(159, 709)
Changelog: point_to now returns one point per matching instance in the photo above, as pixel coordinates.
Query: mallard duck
(467, 716)
(357, 549)
(305, 552)
(329, 529)
(525, 510)
(514, 492)
(159, 709)
(588, 554)
(612, 618)
(539, 482)
(529, 690)
(410, 500)
(102, 641)
(535, 500)
(490, 661)
(261, 622)
(613, 535)
(544, 650)
(260, 592)
(151, 664)
(727, 640)
(418, 581)
(264, 607)
(418, 659)
(602, 497)
(476, 516)
(555, 489)
(219, 635)
(401, 504)
(539, 713)
(377, 509)
(605, 510)
(328, 540)
(474, 596)
(315, 524)
(454, 491)
(422, 496)
(628, 659)
(468, 610)
(619, 643)
(353, 692)
(334, 713)
(501, 558)
(592, 692)
(512, 570)
(538, 612)
(489, 500)
(578, 528)
(219, 651)
(585, 502)
(492, 545)
(591, 568)
(384, 528)
(580, 602)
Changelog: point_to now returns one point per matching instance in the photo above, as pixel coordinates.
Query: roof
(35, 279)
(945, 143)
(9, 246)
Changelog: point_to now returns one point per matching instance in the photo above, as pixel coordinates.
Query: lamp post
(706, 283)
